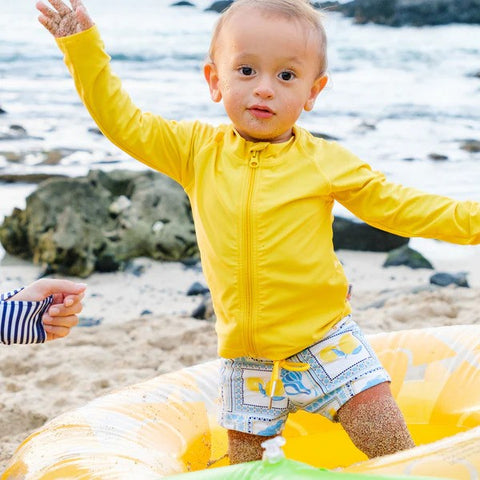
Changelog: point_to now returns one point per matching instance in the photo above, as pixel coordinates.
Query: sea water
(395, 95)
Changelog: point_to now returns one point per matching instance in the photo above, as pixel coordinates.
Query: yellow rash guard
(263, 212)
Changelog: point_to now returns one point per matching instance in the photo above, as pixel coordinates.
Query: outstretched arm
(62, 21)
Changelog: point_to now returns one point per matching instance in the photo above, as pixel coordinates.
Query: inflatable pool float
(167, 426)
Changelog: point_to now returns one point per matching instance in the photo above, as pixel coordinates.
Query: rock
(76, 226)
(354, 235)
(89, 321)
(472, 146)
(325, 136)
(365, 11)
(219, 6)
(408, 257)
(437, 157)
(95, 130)
(444, 279)
(2, 111)
(412, 12)
(200, 312)
(48, 157)
(14, 132)
(119, 205)
(135, 269)
(197, 289)
(365, 127)
(204, 311)
(55, 156)
(28, 177)
(182, 3)
(19, 129)
(192, 264)
(13, 157)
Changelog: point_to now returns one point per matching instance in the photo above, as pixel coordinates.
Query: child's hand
(64, 21)
(67, 304)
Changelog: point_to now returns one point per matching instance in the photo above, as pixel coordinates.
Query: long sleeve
(401, 210)
(165, 145)
(21, 321)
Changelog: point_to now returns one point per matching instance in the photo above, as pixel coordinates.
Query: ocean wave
(155, 58)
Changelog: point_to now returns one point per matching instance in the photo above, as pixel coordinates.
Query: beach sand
(142, 327)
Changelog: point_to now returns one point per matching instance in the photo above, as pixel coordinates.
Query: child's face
(266, 70)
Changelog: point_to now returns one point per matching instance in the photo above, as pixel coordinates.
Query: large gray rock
(354, 235)
(77, 226)
(409, 12)
(408, 257)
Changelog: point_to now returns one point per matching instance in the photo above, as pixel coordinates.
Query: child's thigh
(342, 366)
(367, 401)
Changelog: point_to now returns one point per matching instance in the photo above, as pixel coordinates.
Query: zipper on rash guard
(248, 249)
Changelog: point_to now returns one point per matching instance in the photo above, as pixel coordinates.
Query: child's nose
(264, 89)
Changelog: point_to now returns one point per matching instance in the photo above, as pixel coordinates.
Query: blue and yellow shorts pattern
(342, 365)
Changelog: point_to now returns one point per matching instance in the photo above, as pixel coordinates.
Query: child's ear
(211, 76)
(317, 87)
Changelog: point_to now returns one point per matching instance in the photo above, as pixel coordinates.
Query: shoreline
(126, 347)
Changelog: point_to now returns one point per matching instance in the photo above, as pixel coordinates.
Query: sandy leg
(245, 447)
(374, 422)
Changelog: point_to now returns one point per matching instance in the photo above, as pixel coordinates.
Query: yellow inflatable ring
(167, 425)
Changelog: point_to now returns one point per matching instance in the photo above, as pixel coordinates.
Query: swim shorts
(342, 365)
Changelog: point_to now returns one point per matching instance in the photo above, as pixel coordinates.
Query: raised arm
(162, 144)
(62, 21)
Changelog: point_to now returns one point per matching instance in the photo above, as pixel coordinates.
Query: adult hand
(67, 304)
(62, 21)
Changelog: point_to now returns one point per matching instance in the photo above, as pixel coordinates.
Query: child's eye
(247, 71)
(287, 76)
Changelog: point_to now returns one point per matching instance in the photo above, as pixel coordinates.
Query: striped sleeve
(21, 321)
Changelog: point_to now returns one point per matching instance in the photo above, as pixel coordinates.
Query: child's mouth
(260, 111)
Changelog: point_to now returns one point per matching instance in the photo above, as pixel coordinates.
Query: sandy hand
(62, 21)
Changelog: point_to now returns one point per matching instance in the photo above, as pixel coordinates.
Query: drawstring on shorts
(275, 378)
(290, 366)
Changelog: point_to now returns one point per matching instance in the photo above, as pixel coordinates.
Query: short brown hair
(292, 9)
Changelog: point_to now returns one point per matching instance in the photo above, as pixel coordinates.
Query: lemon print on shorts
(346, 345)
(257, 384)
(253, 384)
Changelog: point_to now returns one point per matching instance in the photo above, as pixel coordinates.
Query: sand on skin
(147, 330)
